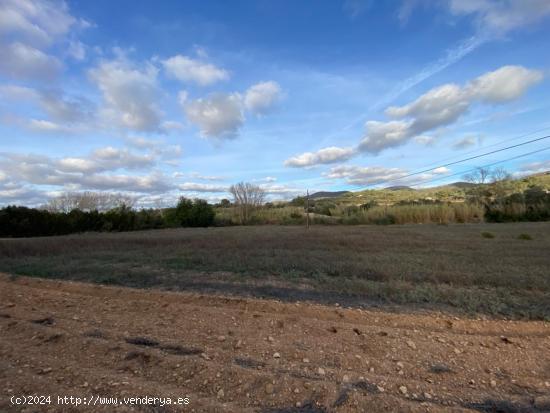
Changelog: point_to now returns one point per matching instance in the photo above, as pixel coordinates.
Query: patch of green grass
(526, 237)
(431, 266)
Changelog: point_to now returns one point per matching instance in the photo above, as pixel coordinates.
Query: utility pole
(307, 209)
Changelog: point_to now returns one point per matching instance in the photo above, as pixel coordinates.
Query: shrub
(525, 237)
(488, 235)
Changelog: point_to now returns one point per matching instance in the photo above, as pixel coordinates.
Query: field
(280, 319)
(497, 270)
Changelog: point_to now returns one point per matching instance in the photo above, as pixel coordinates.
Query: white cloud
(186, 69)
(217, 116)
(36, 22)
(200, 187)
(130, 94)
(378, 175)
(21, 61)
(369, 175)
(27, 30)
(383, 135)
(431, 112)
(143, 143)
(441, 170)
(443, 105)
(536, 167)
(502, 16)
(328, 155)
(55, 104)
(97, 171)
(425, 140)
(261, 97)
(207, 177)
(280, 191)
(504, 84)
(465, 142)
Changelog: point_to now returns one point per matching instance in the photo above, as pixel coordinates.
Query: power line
(459, 161)
(483, 166)
(494, 144)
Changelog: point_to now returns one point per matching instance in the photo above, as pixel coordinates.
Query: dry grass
(433, 266)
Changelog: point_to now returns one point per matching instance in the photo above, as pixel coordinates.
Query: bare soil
(230, 354)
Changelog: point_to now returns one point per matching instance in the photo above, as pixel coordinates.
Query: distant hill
(400, 188)
(453, 192)
(328, 194)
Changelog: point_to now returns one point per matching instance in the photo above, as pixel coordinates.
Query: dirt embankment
(246, 355)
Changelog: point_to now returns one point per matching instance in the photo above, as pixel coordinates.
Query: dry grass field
(500, 270)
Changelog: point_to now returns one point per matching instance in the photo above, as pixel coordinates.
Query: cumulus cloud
(492, 17)
(445, 104)
(328, 155)
(441, 170)
(435, 109)
(281, 191)
(368, 175)
(103, 169)
(378, 175)
(186, 69)
(21, 61)
(200, 187)
(27, 30)
(536, 167)
(219, 115)
(130, 94)
(261, 97)
(465, 142)
(53, 103)
(207, 177)
(502, 16)
(503, 85)
(37, 22)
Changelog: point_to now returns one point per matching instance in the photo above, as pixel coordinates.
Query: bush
(487, 235)
(197, 213)
(526, 237)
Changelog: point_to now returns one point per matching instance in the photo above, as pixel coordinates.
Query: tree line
(20, 221)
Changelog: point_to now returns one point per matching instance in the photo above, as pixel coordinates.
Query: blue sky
(162, 99)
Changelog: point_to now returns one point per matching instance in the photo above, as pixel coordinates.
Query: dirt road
(246, 355)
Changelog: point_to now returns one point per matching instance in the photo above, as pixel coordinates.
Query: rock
(239, 344)
(321, 371)
(296, 390)
(493, 383)
(221, 338)
(276, 356)
(411, 344)
(400, 364)
(427, 396)
(220, 393)
(345, 379)
(305, 360)
(380, 389)
(371, 370)
(403, 389)
(269, 389)
(542, 403)
(270, 339)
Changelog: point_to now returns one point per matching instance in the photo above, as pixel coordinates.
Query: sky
(167, 99)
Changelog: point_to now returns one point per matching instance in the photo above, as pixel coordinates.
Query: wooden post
(307, 209)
